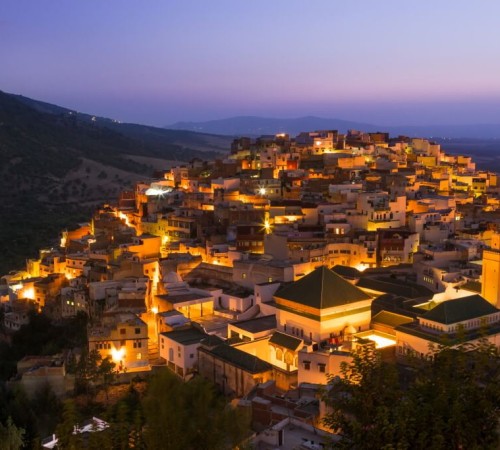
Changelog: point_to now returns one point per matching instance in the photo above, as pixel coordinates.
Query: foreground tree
(11, 437)
(457, 399)
(189, 415)
(452, 403)
(369, 409)
(64, 431)
(92, 370)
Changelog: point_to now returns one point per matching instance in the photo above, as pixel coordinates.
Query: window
(122, 331)
(307, 365)
(243, 275)
(270, 279)
(322, 367)
(139, 355)
(191, 355)
(279, 354)
(137, 331)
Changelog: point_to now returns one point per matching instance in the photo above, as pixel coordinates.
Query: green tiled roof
(449, 339)
(321, 289)
(395, 286)
(239, 358)
(285, 340)
(460, 309)
(391, 319)
(346, 271)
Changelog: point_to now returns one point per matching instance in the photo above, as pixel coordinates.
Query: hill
(256, 126)
(58, 164)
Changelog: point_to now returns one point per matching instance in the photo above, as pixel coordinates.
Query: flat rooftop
(214, 324)
(182, 297)
(257, 325)
(185, 336)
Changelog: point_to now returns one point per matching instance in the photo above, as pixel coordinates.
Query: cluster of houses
(265, 270)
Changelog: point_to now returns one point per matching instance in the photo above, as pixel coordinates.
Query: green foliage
(364, 402)
(37, 416)
(189, 415)
(92, 370)
(453, 402)
(64, 431)
(47, 410)
(11, 437)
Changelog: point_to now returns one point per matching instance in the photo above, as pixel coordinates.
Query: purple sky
(157, 62)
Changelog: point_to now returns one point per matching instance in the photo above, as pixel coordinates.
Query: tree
(189, 415)
(457, 397)
(369, 409)
(64, 431)
(107, 373)
(452, 402)
(11, 437)
(92, 370)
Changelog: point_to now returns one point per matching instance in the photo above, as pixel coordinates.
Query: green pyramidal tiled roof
(322, 288)
(460, 309)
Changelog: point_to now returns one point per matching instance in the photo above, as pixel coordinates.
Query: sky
(387, 62)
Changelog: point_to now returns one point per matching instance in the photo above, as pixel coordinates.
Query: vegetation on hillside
(57, 165)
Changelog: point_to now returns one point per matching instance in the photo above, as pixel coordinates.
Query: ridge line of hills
(255, 126)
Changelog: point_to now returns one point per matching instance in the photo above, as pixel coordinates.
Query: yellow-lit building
(464, 320)
(322, 305)
(490, 286)
(123, 337)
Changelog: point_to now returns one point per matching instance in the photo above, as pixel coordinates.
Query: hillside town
(266, 270)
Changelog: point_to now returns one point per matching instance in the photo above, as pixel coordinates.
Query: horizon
(382, 64)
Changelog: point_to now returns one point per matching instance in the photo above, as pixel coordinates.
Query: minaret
(490, 289)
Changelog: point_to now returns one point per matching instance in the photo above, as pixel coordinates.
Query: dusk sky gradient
(158, 62)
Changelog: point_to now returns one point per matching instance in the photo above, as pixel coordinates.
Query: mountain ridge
(257, 125)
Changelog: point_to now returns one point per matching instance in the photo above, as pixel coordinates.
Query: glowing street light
(118, 354)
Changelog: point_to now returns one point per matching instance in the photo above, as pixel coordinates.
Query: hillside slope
(57, 165)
